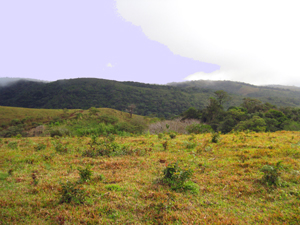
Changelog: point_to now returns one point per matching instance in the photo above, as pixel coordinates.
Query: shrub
(110, 138)
(94, 140)
(256, 123)
(271, 174)
(215, 137)
(197, 128)
(93, 111)
(90, 153)
(85, 174)
(40, 146)
(59, 132)
(71, 193)
(190, 145)
(60, 148)
(176, 177)
(172, 135)
(14, 122)
(13, 131)
(108, 119)
(165, 145)
(124, 126)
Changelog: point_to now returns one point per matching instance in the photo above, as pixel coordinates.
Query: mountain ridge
(150, 99)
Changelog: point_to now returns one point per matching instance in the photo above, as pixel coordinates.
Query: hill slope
(274, 94)
(159, 100)
(86, 92)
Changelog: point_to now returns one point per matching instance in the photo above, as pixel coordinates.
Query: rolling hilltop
(159, 100)
(275, 94)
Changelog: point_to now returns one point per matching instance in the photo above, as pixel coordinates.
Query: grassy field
(76, 122)
(45, 115)
(123, 180)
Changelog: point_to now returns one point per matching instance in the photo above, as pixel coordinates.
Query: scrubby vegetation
(102, 166)
(243, 178)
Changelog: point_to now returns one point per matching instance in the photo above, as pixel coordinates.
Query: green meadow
(237, 178)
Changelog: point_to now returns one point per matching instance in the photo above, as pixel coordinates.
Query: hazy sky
(153, 41)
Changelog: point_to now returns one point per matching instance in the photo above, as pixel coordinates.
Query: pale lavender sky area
(57, 39)
(152, 41)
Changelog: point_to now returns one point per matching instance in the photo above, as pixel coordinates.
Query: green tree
(256, 123)
(222, 96)
(253, 105)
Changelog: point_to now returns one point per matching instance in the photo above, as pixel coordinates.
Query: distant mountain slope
(158, 100)
(274, 94)
(88, 92)
(292, 88)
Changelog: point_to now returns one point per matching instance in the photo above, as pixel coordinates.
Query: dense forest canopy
(149, 99)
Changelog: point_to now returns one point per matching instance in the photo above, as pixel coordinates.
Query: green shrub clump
(271, 175)
(71, 193)
(179, 179)
(196, 128)
(85, 174)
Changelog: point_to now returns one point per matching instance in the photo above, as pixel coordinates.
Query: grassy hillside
(132, 180)
(150, 100)
(24, 121)
(9, 113)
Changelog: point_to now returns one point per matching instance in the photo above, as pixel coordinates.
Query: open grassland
(119, 180)
(45, 115)
(10, 113)
(76, 122)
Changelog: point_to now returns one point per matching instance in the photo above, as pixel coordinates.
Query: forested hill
(275, 94)
(158, 100)
(161, 101)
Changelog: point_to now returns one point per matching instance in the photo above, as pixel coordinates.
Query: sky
(151, 41)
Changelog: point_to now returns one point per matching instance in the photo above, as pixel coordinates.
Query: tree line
(252, 115)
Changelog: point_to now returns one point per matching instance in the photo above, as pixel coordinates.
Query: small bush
(215, 137)
(124, 126)
(59, 132)
(90, 153)
(271, 174)
(60, 148)
(40, 146)
(85, 174)
(197, 128)
(165, 145)
(190, 145)
(172, 135)
(110, 138)
(176, 177)
(71, 193)
(108, 119)
(99, 177)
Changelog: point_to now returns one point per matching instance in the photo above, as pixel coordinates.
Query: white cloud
(253, 41)
(109, 65)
